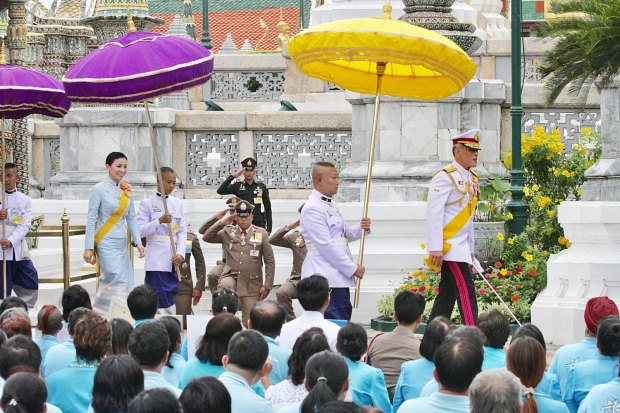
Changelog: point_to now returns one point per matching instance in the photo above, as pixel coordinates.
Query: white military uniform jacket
(324, 229)
(18, 222)
(451, 190)
(158, 251)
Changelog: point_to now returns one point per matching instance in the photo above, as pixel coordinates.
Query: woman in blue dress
(111, 210)
(527, 360)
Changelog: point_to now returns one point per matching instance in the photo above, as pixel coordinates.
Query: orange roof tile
(242, 24)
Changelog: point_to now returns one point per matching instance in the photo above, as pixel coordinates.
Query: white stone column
(589, 268)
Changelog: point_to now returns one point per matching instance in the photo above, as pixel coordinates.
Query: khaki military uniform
(213, 277)
(183, 300)
(296, 243)
(245, 256)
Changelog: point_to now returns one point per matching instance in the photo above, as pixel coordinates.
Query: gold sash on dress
(110, 223)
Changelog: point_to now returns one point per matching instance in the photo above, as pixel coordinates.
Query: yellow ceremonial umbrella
(382, 56)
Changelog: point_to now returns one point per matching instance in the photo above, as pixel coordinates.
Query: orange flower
(518, 286)
(515, 298)
(533, 272)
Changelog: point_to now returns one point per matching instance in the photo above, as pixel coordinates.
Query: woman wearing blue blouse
(111, 205)
(415, 374)
(526, 359)
(366, 382)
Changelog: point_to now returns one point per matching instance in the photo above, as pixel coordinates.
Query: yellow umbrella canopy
(420, 64)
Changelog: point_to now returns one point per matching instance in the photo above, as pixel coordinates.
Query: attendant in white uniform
(111, 207)
(452, 197)
(21, 275)
(161, 261)
(327, 237)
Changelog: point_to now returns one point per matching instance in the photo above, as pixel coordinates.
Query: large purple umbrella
(136, 67)
(26, 92)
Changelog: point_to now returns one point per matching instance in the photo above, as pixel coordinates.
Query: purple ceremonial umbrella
(26, 92)
(136, 67)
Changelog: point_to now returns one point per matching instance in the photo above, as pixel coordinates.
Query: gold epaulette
(448, 169)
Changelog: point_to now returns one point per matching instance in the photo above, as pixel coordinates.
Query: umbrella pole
(161, 184)
(371, 157)
(3, 206)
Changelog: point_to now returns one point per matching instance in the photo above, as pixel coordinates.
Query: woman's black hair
(12, 302)
(338, 406)
(118, 380)
(23, 393)
(436, 332)
(309, 343)
(225, 300)
(173, 327)
(530, 330)
(206, 394)
(113, 156)
(214, 344)
(121, 329)
(326, 376)
(74, 297)
(155, 401)
(352, 341)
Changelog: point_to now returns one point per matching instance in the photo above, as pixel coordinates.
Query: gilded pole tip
(2, 53)
(387, 10)
(130, 26)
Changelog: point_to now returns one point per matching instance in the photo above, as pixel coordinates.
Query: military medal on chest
(298, 241)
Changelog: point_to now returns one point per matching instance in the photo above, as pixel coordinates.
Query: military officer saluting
(247, 247)
(289, 236)
(249, 190)
(190, 293)
(452, 196)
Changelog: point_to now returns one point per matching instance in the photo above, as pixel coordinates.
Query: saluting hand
(293, 225)
(227, 220)
(365, 223)
(238, 173)
(221, 214)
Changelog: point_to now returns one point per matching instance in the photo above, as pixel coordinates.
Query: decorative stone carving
(228, 47)
(211, 157)
(246, 46)
(253, 85)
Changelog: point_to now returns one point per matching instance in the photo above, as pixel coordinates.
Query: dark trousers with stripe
(339, 307)
(456, 285)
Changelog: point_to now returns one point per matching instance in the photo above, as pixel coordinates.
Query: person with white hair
(495, 391)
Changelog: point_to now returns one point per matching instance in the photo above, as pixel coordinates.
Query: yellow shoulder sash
(113, 220)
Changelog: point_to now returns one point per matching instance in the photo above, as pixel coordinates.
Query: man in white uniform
(327, 237)
(452, 197)
(160, 262)
(21, 276)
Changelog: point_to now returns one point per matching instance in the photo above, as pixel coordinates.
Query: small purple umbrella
(26, 92)
(136, 67)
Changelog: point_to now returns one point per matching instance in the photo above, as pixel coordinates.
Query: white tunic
(445, 201)
(158, 251)
(18, 222)
(322, 224)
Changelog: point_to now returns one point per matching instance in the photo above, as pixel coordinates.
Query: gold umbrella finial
(2, 53)
(387, 10)
(130, 26)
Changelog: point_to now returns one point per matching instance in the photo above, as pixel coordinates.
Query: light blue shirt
(172, 375)
(547, 405)
(279, 360)
(585, 375)
(494, 358)
(103, 202)
(602, 398)
(71, 388)
(437, 403)
(549, 386)
(58, 357)
(429, 388)
(244, 399)
(142, 320)
(570, 354)
(413, 377)
(196, 368)
(293, 408)
(367, 385)
(154, 380)
(183, 351)
(45, 342)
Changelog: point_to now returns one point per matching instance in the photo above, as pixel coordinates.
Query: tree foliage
(588, 46)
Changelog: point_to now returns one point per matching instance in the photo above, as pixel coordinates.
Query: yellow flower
(544, 201)
(424, 277)
(510, 241)
(568, 244)
(423, 245)
(500, 236)
(535, 187)
(551, 213)
(417, 273)
(527, 191)
(509, 215)
(556, 173)
(503, 271)
(548, 231)
(562, 240)
(579, 192)
(529, 257)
